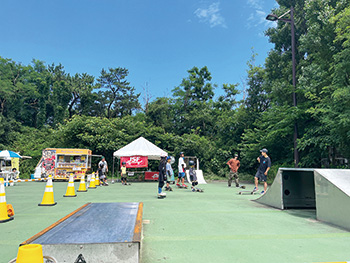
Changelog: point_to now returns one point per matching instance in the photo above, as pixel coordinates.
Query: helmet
(181, 153)
(169, 157)
(123, 162)
(191, 163)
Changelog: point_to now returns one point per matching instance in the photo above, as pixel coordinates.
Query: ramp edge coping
(138, 224)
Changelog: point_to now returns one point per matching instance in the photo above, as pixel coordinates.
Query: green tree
(117, 97)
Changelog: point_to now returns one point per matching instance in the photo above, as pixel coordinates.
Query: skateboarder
(169, 174)
(181, 176)
(102, 171)
(193, 177)
(234, 164)
(162, 176)
(264, 167)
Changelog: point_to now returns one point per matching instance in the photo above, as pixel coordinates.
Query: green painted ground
(215, 226)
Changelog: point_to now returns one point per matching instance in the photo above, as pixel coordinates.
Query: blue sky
(156, 40)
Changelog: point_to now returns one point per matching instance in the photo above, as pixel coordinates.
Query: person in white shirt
(181, 167)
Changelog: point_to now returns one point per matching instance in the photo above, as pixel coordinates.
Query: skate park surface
(218, 225)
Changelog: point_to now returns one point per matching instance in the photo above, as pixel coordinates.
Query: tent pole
(113, 171)
(118, 167)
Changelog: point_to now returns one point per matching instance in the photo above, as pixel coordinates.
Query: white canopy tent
(140, 147)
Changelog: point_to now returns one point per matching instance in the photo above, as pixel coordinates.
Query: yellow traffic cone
(48, 198)
(97, 180)
(3, 206)
(92, 184)
(32, 253)
(82, 185)
(70, 189)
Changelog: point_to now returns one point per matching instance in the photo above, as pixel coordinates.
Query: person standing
(234, 164)
(182, 171)
(264, 167)
(103, 170)
(123, 174)
(162, 176)
(169, 173)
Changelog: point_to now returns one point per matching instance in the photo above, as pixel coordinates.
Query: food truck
(61, 163)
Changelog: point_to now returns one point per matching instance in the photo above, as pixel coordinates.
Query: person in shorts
(123, 173)
(182, 171)
(264, 167)
(234, 164)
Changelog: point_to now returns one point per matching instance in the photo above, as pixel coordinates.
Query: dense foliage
(43, 106)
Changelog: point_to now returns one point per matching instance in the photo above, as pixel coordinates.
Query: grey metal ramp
(333, 196)
(97, 232)
(292, 188)
(89, 225)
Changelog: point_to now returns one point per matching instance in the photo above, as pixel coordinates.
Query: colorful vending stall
(61, 163)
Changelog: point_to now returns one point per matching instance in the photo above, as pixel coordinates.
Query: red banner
(134, 161)
(151, 176)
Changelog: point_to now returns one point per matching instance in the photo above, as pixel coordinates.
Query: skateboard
(248, 192)
(127, 184)
(161, 196)
(184, 187)
(199, 190)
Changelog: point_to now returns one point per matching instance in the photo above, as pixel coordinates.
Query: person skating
(123, 173)
(264, 167)
(193, 177)
(102, 171)
(169, 173)
(234, 164)
(181, 176)
(162, 176)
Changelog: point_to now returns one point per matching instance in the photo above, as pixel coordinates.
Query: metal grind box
(96, 232)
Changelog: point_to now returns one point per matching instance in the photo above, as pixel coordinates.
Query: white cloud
(255, 4)
(211, 15)
(258, 15)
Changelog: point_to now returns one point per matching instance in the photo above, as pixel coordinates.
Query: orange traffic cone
(3, 206)
(70, 189)
(10, 211)
(48, 198)
(82, 185)
(92, 184)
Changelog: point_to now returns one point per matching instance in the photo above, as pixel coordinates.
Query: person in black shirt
(162, 176)
(264, 167)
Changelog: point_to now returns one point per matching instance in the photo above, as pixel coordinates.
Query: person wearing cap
(102, 171)
(123, 173)
(169, 173)
(182, 171)
(264, 167)
(234, 164)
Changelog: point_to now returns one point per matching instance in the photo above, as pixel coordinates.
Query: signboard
(151, 176)
(134, 161)
(73, 151)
